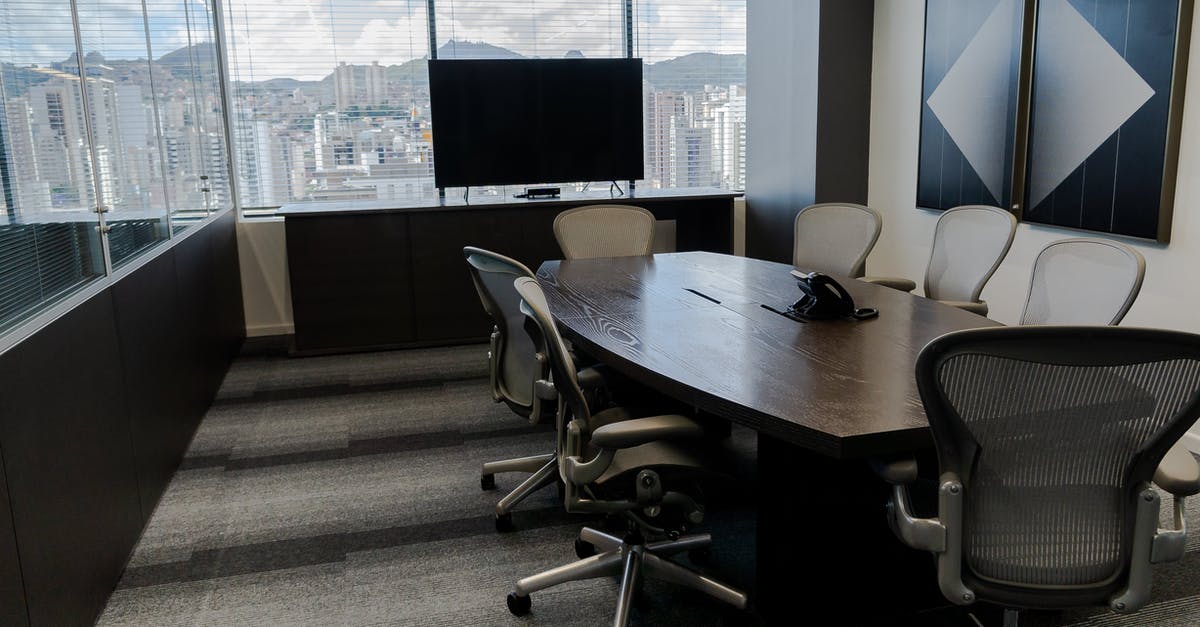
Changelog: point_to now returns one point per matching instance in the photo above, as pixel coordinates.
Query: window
(349, 117)
(97, 118)
(695, 125)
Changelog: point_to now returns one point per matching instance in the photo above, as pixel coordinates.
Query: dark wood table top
(692, 326)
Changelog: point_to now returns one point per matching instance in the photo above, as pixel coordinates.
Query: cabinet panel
(350, 280)
(67, 454)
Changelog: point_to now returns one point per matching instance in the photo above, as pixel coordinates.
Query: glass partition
(49, 230)
(111, 136)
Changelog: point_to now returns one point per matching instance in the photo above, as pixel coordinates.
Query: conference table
(823, 396)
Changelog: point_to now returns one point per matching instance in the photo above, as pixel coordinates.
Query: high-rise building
(359, 86)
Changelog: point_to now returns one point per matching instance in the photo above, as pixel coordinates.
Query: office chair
(613, 463)
(1083, 281)
(1048, 439)
(514, 368)
(969, 242)
(835, 238)
(604, 231)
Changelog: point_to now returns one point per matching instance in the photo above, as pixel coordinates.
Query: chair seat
(670, 459)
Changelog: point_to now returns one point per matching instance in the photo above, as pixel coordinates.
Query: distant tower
(359, 85)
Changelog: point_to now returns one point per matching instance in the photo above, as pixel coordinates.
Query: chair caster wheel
(584, 549)
(487, 482)
(504, 523)
(517, 604)
(701, 556)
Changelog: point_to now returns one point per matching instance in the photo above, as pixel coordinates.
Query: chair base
(545, 472)
(630, 558)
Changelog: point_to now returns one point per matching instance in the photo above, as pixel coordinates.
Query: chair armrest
(1178, 473)
(896, 283)
(638, 431)
(980, 308)
(896, 471)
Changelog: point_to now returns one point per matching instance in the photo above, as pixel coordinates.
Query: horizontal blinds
(331, 101)
(695, 125)
(48, 239)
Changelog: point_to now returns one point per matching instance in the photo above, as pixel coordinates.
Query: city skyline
(361, 131)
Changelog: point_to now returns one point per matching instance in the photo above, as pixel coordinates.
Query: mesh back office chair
(613, 463)
(1083, 281)
(515, 367)
(969, 242)
(1047, 440)
(835, 238)
(604, 231)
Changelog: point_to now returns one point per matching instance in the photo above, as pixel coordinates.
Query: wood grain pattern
(693, 326)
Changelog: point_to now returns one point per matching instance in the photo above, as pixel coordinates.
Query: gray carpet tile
(343, 490)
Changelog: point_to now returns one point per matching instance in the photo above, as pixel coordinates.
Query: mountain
(692, 72)
(178, 62)
(474, 50)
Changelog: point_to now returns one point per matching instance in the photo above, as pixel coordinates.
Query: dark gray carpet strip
(358, 448)
(327, 548)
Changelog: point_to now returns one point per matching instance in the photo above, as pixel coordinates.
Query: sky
(305, 39)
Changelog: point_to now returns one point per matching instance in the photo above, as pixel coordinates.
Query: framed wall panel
(969, 96)
(1067, 112)
(1103, 129)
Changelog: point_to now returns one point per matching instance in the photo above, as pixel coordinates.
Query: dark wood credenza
(386, 274)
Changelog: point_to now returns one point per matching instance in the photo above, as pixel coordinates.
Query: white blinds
(695, 125)
(331, 98)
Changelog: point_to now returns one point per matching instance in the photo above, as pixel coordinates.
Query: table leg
(824, 544)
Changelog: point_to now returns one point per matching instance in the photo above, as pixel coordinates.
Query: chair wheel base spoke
(517, 604)
(504, 523)
(584, 549)
(487, 482)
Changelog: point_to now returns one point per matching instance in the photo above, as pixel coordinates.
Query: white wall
(266, 292)
(1170, 296)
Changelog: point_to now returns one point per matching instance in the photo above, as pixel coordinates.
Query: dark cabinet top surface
(456, 201)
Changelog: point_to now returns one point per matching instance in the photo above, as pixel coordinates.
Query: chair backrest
(1053, 431)
(969, 243)
(835, 238)
(515, 365)
(1083, 281)
(572, 402)
(604, 231)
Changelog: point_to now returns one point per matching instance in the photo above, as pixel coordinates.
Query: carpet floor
(344, 490)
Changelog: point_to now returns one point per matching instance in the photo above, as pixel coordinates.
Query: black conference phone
(824, 298)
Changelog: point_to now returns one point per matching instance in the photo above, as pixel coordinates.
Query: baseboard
(1191, 440)
(270, 329)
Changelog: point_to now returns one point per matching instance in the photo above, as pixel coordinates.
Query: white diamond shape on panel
(972, 101)
(1084, 92)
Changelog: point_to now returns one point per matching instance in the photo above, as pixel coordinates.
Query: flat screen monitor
(527, 121)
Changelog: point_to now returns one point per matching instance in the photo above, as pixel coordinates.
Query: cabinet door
(351, 280)
(446, 304)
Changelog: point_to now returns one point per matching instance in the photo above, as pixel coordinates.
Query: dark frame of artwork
(1068, 112)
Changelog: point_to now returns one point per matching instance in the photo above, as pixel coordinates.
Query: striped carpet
(344, 490)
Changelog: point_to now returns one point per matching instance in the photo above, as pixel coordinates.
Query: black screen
(513, 121)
